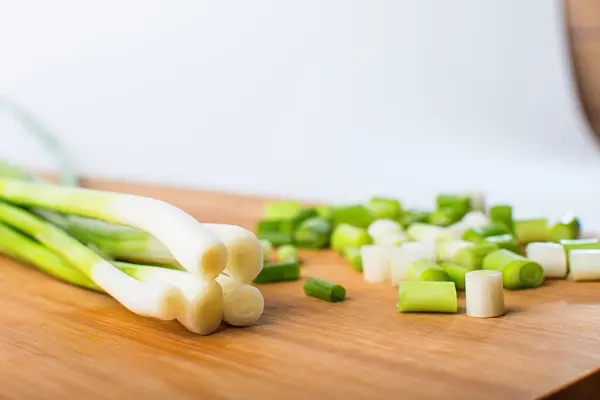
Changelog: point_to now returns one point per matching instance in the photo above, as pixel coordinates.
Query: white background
(322, 99)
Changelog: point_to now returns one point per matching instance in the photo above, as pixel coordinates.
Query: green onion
(23, 248)
(502, 214)
(279, 272)
(413, 216)
(479, 233)
(506, 241)
(345, 235)
(267, 248)
(324, 290)
(404, 255)
(551, 256)
(518, 272)
(447, 216)
(484, 297)
(281, 209)
(532, 230)
(423, 232)
(287, 253)
(46, 138)
(353, 256)
(380, 207)
(427, 296)
(313, 233)
(243, 304)
(584, 265)
(456, 273)
(302, 215)
(472, 257)
(324, 211)
(461, 202)
(278, 232)
(568, 227)
(355, 215)
(382, 228)
(376, 262)
(425, 270)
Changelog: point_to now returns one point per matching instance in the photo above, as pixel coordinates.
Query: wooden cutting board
(58, 341)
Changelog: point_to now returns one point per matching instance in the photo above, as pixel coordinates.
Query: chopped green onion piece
(506, 241)
(345, 235)
(355, 215)
(279, 272)
(427, 296)
(518, 272)
(568, 227)
(302, 215)
(384, 208)
(324, 211)
(479, 233)
(447, 216)
(584, 265)
(324, 290)
(532, 230)
(425, 270)
(551, 256)
(413, 216)
(287, 252)
(314, 233)
(484, 297)
(353, 256)
(281, 209)
(376, 262)
(456, 273)
(502, 214)
(472, 257)
(461, 202)
(278, 232)
(383, 227)
(267, 248)
(277, 238)
(423, 232)
(474, 219)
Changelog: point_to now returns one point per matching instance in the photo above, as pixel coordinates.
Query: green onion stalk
(518, 272)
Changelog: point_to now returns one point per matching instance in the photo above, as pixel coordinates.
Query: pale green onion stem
(195, 247)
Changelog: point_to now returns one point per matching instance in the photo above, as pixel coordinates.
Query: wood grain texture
(583, 19)
(58, 341)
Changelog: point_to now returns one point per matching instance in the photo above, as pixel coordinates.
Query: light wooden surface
(58, 341)
(583, 18)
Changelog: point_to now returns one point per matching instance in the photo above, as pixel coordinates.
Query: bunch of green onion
(152, 257)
